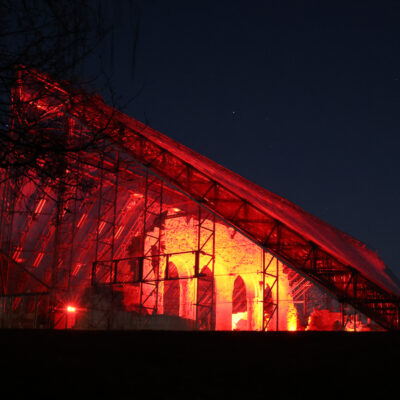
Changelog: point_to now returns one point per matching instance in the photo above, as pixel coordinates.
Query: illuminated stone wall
(235, 256)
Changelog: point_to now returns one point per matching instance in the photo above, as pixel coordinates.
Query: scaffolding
(270, 303)
(124, 228)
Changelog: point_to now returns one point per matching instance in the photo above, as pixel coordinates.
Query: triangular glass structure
(139, 232)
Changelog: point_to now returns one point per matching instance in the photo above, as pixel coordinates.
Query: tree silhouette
(51, 36)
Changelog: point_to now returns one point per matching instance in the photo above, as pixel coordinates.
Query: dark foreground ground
(198, 365)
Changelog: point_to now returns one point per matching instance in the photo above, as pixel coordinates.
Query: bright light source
(71, 309)
(176, 209)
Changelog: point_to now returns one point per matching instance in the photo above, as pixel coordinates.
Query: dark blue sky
(303, 98)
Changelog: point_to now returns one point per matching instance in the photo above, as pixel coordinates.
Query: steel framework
(215, 199)
(205, 256)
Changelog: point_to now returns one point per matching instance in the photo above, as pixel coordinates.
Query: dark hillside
(198, 365)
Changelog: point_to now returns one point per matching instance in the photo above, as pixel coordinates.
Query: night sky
(302, 98)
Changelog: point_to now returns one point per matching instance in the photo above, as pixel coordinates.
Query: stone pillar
(224, 288)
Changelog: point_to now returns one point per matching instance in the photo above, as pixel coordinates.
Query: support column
(223, 303)
(270, 292)
(205, 261)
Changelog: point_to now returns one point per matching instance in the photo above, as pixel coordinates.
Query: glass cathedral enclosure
(112, 244)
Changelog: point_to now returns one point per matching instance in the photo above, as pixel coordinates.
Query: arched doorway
(171, 291)
(205, 300)
(239, 305)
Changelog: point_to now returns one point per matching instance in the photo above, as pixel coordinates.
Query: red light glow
(134, 250)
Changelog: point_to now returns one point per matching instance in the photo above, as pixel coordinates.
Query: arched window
(239, 305)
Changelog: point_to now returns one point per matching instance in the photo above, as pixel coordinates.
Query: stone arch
(239, 305)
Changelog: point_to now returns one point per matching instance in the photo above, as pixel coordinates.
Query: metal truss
(6, 220)
(204, 271)
(270, 303)
(16, 302)
(103, 266)
(149, 265)
(344, 282)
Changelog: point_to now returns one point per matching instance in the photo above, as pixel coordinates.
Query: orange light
(71, 309)
(291, 318)
(239, 321)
